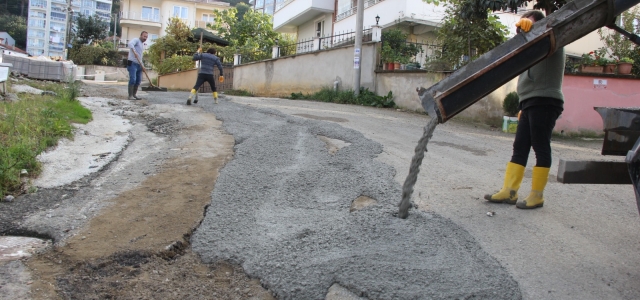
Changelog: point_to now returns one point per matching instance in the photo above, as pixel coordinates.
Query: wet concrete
(281, 209)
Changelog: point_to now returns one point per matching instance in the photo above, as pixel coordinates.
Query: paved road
(308, 203)
(281, 209)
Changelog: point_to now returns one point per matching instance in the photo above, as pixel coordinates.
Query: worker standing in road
(207, 62)
(541, 103)
(134, 64)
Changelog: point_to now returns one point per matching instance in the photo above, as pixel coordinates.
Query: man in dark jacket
(205, 74)
(541, 103)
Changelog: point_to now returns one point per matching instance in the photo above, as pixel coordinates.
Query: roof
(208, 37)
(13, 48)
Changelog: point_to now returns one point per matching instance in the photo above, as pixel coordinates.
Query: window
(37, 14)
(31, 33)
(88, 3)
(58, 16)
(37, 23)
(320, 29)
(103, 6)
(207, 18)
(344, 5)
(151, 13)
(180, 12)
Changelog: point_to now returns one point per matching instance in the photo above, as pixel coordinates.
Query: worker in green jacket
(541, 103)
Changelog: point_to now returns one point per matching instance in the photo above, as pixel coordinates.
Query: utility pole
(357, 51)
(115, 26)
(67, 38)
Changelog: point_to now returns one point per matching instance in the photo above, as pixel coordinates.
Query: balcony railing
(206, 1)
(203, 24)
(352, 11)
(309, 45)
(132, 15)
(280, 5)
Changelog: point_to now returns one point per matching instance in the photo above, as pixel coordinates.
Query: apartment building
(322, 18)
(49, 21)
(153, 16)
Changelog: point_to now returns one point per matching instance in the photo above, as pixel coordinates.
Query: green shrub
(93, 55)
(365, 97)
(176, 64)
(510, 104)
(238, 93)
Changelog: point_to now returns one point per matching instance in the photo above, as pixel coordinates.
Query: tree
(173, 51)
(90, 28)
(468, 31)
(617, 45)
(14, 7)
(242, 8)
(115, 9)
(252, 36)
(16, 27)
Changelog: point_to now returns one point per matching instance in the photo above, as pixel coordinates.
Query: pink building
(583, 93)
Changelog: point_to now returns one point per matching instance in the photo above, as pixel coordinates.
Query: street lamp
(377, 19)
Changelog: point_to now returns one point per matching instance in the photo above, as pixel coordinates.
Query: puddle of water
(17, 247)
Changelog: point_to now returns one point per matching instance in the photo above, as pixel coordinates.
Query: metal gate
(227, 72)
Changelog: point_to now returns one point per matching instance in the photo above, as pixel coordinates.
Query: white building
(49, 20)
(153, 16)
(309, 19)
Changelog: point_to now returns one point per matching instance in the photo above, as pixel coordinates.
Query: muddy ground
(137, 246)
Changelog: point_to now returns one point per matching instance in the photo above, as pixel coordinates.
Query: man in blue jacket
(207, 62)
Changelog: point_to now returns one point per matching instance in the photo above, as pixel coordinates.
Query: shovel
(151, 87)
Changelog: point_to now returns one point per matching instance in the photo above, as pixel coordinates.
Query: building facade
(319, 18)
(50, 20)
(153, 16)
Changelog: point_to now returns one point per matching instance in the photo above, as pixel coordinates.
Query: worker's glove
(221, 79)
(199, 50)
(524, 24)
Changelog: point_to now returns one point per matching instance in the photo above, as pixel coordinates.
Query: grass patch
(33, 124)
(238, 93)
(365, 97)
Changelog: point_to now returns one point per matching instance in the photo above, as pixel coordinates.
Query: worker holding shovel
(134, 64)
(207, 62)
(541, 103)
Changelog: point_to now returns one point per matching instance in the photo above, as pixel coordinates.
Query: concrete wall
(179, 81)
(404, 84)
(583, 93)
(306, 73)
(113, 73)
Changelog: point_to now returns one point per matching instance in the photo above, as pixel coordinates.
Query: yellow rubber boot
(512, 180)
(215, 97)
(539, 179)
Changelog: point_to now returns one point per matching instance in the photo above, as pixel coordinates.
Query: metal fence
(227, 72)
(323, 43)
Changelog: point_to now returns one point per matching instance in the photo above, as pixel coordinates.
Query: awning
(208, 37)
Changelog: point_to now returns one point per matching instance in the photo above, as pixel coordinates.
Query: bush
(90, 55)
(176, 64)
(365, 97)
(510, 104)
